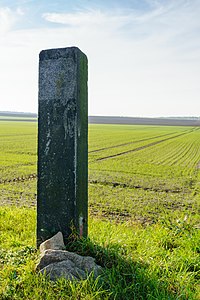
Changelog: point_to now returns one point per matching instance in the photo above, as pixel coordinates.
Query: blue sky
(144, 57)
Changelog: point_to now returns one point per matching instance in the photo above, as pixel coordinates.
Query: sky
(143, 55)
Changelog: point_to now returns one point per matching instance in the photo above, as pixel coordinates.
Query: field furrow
(141, 147)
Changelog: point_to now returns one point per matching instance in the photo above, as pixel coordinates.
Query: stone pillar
(62, 196)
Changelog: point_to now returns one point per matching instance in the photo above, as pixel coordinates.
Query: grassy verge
(160, 261)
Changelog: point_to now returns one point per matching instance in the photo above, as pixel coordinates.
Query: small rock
(56, 243)
(82, 265)
(56, 262)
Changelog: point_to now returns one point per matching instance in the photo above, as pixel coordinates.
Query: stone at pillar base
(64, 264)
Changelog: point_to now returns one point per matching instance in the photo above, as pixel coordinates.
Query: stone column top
(59, 53)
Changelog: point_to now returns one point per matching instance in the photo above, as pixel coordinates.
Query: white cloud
(8, 18)
(163, 22)
(88, 19)
(20, 11)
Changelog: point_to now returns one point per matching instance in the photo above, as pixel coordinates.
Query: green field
(144, 192)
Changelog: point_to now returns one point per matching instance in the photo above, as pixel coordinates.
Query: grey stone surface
(62, 198)
(66, 269)
(59, 263)
(55, 243)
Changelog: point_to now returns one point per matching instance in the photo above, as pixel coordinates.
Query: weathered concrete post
(62, 143)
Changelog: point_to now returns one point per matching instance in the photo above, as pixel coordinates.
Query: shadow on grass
(124, 278)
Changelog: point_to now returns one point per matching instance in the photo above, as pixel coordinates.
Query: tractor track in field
(142, 147)
(18, 202)
(19, 179)
(108, 183)
(124, 185)
(126, 144)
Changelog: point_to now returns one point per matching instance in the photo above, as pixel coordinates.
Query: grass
(143, 207)
(157, 262)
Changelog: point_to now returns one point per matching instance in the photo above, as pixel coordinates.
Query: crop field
(150, 170)
(144, 194)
